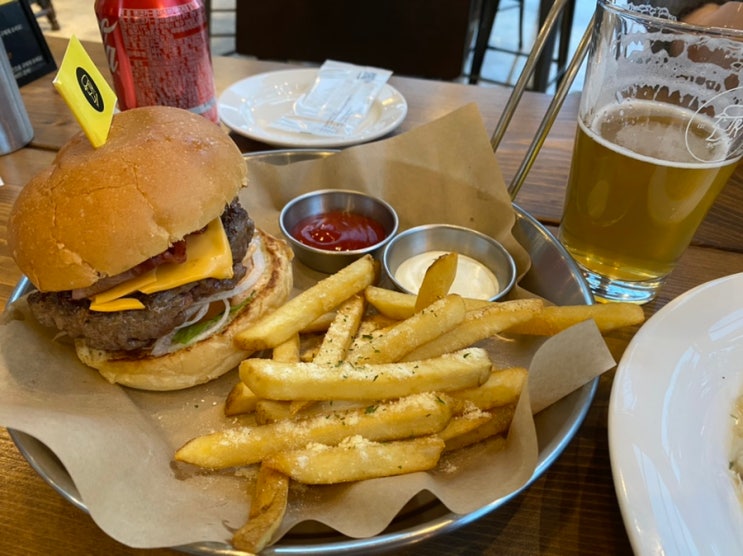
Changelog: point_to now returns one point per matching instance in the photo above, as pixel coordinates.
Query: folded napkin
(338, 101)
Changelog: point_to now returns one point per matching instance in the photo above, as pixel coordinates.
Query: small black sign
(29, 54)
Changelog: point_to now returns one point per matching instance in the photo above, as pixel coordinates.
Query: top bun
(163, 173)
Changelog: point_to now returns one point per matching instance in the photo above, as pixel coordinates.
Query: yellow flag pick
(86, 92)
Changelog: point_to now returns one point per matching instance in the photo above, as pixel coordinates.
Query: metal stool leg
(544, 64)
(566, 25)
(484, 27)
(557, 100)
(521, 24)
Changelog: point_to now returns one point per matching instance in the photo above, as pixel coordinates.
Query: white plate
(249, 106)
(670, 425)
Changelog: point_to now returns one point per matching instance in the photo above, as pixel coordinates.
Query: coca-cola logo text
(106, 29)
(90, 89)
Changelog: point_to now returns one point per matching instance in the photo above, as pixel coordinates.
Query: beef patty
(164, 311)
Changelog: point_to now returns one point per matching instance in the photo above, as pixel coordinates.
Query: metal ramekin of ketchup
(330, 228)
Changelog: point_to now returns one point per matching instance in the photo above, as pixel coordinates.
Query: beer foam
(655, 58)
(668, 143)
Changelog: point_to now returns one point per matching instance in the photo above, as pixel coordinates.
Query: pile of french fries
(392, 382)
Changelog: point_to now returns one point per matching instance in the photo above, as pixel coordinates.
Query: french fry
(288, 350)
(333, 347)
(390, 303)
(294, 315)
(464, 424)
(554, 319)
(241, 399)
(296, 406)
(267, 509)
(498, 423)
(357, 459)
(481, 404)
(349, 381)
(320, 324)
(503, 387)
(418, 415)
(271, 411)
(371, 326)
(477, 325)
(341, 332)
(401, 338)
(437, 280)
(400, 306)
(373, 395)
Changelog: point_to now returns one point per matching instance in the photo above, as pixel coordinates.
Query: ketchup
(338, 231)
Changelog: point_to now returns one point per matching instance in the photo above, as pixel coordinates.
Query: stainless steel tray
(553, 275)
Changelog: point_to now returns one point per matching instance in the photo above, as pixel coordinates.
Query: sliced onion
(217, 325)
(165, 344)
(198, 311)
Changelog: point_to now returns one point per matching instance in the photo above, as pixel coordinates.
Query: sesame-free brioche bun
(99, 220)
(214, 356)
(162, 173)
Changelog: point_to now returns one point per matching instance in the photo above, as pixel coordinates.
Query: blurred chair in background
(554, 52)
(46, 9)
(420, 38)
(213, 12)
(485, 25)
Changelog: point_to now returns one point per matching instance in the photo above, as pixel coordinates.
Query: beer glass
(660, 131)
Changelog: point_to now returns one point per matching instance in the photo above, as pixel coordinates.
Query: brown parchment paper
(117, 444)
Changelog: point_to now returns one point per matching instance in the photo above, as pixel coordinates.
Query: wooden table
(571, 509)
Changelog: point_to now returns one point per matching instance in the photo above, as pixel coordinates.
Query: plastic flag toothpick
(86, 92)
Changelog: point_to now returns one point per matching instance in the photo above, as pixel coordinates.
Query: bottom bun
(209, 358)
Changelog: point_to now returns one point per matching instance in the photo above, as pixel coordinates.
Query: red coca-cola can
(158, 53)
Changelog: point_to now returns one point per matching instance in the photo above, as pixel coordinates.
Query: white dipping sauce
(473, 279)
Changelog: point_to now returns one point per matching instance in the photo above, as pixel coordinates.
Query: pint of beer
(660, 131)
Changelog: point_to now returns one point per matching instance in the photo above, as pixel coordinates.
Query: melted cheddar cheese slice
(208, 255)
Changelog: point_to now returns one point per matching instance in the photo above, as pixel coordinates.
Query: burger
(141, 253)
